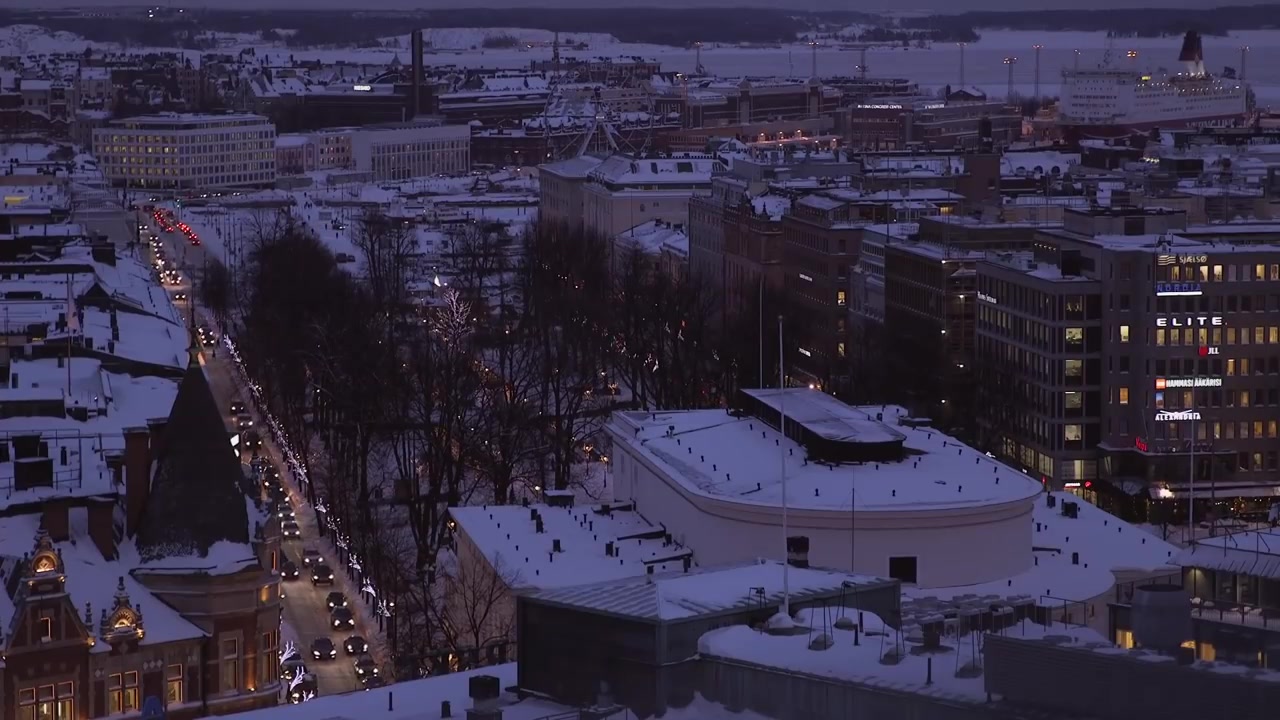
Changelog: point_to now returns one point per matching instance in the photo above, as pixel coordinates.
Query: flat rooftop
(508, 537)
(862, 663)
(686, 595)
(1104, 545)
(714, 454)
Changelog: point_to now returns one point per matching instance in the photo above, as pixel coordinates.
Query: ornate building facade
(164, 596)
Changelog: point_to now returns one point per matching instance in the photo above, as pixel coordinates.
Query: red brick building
(160, 591)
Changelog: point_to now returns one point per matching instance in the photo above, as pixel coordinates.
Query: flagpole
(782, 459)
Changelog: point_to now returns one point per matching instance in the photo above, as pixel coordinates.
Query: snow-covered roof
(93, 580)
(1105, 544)
(1255, 553)
(507, 536)
(575, 167)
(655, 236)
(684, 171)
(862, 662)
(111, 401)
(413, 700)
(713, 454)
(685, 595)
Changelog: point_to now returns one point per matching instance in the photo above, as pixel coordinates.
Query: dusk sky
(866, 5)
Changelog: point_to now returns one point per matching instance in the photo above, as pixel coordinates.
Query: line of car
(341, 617)
(168, 223)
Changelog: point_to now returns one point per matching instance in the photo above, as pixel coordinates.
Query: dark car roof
(322, 641)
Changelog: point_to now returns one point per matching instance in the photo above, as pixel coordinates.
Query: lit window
(1072, 433)
(173, 685)
(1124, 396)
(1124, 333)
(122, 693)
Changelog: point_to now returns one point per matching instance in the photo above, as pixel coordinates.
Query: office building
(411, 150)
(187, 151)
(1127, 358)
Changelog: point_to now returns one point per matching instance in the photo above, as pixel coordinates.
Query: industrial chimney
(415, 93)
(1192, 53)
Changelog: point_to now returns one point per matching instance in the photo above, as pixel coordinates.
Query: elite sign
(1191, 321)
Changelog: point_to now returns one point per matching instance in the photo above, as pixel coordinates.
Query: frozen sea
(931, 67)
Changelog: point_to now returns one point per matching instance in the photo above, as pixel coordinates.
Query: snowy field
(931, 67)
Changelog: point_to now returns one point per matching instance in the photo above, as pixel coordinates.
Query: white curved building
(873, 493)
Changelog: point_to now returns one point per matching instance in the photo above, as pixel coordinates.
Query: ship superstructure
(1112, 101)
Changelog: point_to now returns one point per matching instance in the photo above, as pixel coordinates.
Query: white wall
(952, 547)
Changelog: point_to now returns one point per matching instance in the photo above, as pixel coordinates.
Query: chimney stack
(415, 93)
(484, 691)
(137, 476)
(102, 529)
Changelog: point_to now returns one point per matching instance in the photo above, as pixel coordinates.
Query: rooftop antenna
(1077, 61)
(782, 459)
(698, 69)
(862, 62)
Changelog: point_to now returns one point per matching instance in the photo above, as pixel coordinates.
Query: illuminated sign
(1176, 415)
(988, 298)
(1186, 322)
(1185, 289)
(1166, 260)
(362, 88)
(1188, 382)
(1140, 444)
(806, 278)
(1205, 351)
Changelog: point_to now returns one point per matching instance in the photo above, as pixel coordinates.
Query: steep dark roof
(198, 491)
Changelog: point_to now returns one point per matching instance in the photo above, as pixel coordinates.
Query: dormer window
(46, 629)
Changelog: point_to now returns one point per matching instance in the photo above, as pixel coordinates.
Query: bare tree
(478, 607)
(387, 248)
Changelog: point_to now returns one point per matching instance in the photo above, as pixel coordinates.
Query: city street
(305, 608)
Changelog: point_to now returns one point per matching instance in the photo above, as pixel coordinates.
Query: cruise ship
(1109, 102)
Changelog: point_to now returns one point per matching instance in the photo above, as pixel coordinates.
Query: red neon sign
(1141, 445)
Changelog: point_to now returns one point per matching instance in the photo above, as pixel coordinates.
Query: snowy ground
(932, 67)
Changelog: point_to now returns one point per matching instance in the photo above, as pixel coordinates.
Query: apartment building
(411, 150)
(1127, 358)
(623, 192)
(560, 189)
(187, 151)
(930, 301)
